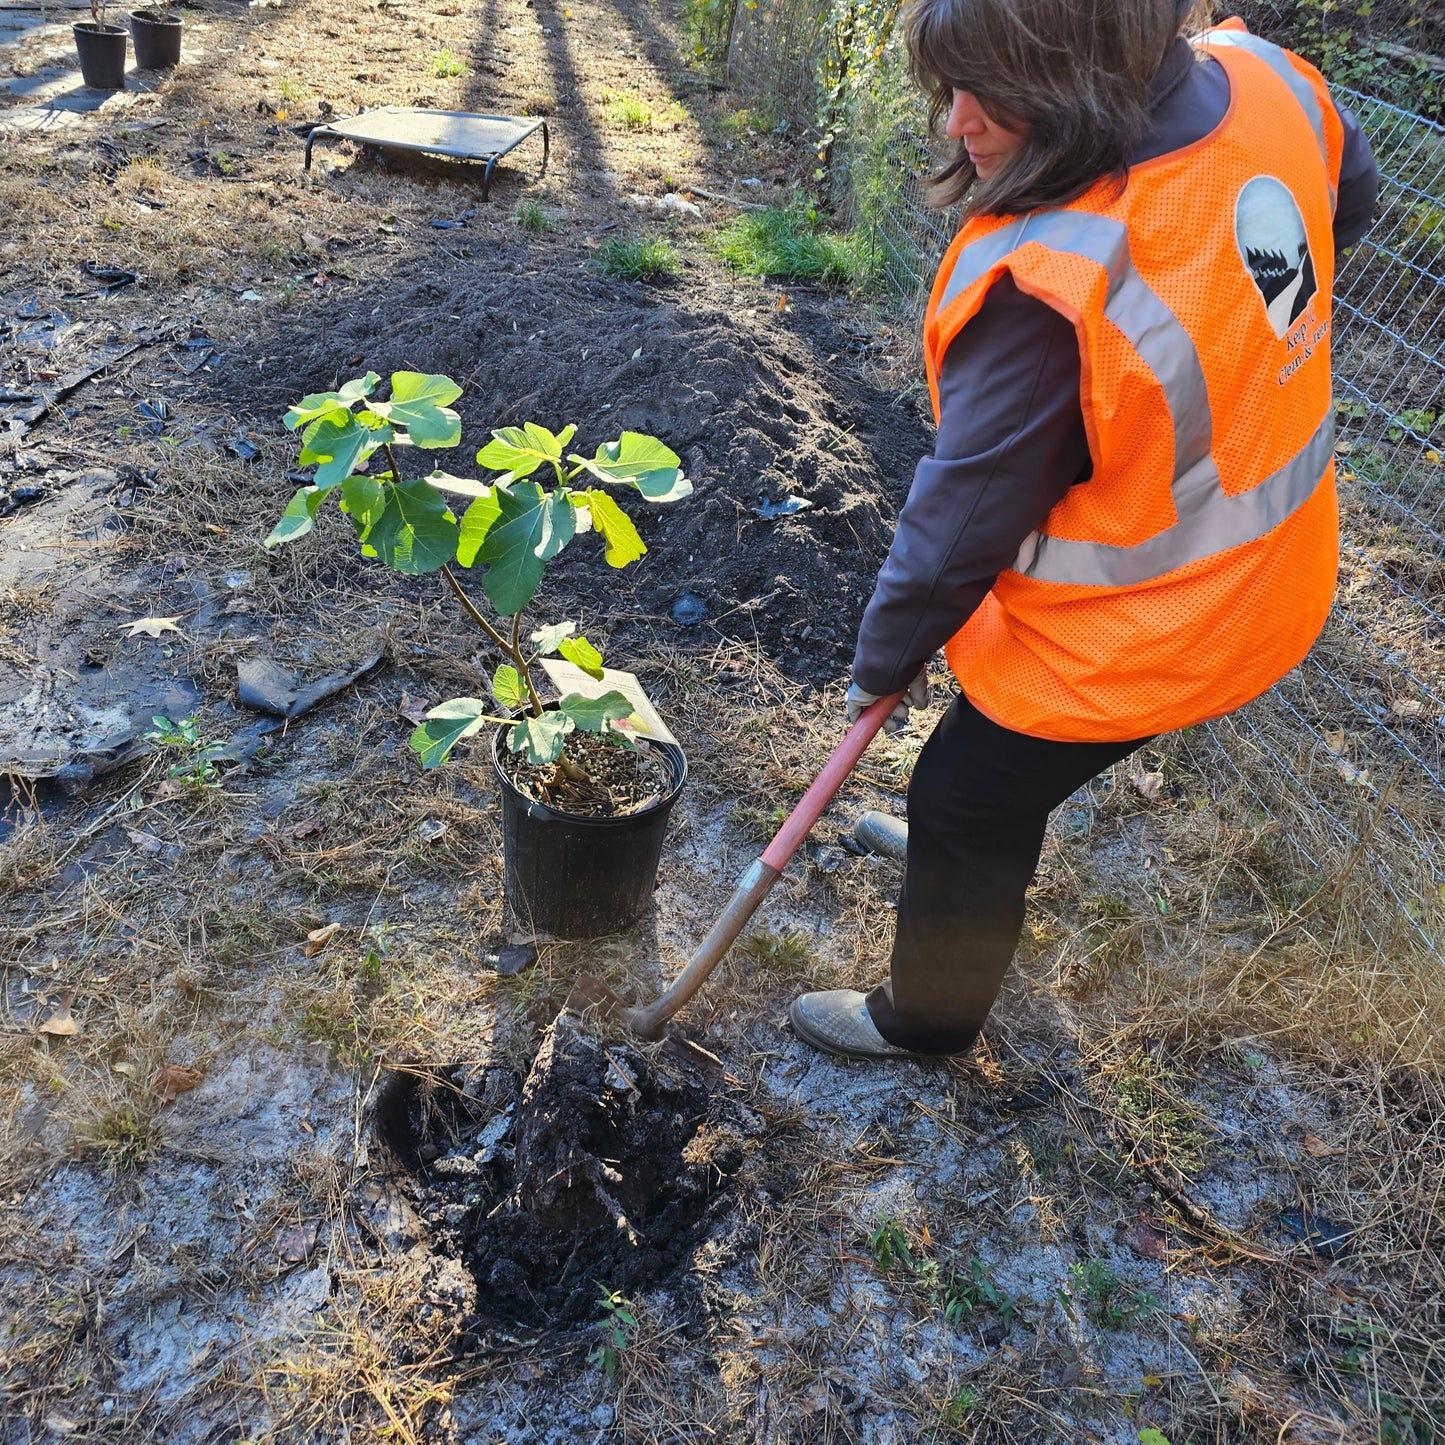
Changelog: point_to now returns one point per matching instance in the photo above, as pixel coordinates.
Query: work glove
(915, 695)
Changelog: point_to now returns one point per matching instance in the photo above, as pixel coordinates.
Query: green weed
(1103, 1297)
(631, 112)
(1148, 1098)
(627, 259)
(957, 1408)
(889, 1245)
(195, 766)
(789, 244)
(123, 1138)
(447, 65)
(958, 1294)
(291, 90)
(530, 216)
(786, 952)
(617, 1326)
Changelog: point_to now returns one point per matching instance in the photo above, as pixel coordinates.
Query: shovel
(646, 1020)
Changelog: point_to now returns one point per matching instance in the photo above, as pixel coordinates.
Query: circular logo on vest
(1270, 234)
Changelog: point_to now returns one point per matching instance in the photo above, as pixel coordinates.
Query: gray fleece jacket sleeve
(1011, 442)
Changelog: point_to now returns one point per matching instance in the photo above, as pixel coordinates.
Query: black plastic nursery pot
(157, 39)
(102, 54)
(582, 877)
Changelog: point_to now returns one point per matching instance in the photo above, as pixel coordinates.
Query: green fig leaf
(446, 725)
(338, 443)
(579, 651)
(548, 639)
(476, 523)
(322, 403)
(298, 518)
(533, 526)
(419, 405)
(415, 532)
(363, 500)
(623, 543)
(639, 461)
(520, 450)
(592, 714)
(540, 737)
(508, 687)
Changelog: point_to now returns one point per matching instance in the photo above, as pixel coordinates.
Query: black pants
(977, 805)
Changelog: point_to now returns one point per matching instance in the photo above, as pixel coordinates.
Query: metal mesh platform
(458, 134)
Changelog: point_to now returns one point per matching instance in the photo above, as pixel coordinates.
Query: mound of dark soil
(761, 408)
(607, 1165)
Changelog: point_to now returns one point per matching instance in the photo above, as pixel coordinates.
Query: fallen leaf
(431, 830)
(414, 709)
(1407, 707)
(60, 1025)
(1355, 777)
(783, 302)
(1146, 1239)
(174, 1079)
(1318, 1149)
(1334, 741)
(297, 1243)
(318, 938)
(305, 828)
(148, 843)
(152, 626)
(123, 1066)
(1148, 785)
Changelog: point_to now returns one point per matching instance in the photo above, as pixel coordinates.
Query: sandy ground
(1188, 1183)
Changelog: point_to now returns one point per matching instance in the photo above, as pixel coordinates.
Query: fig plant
(509, 528)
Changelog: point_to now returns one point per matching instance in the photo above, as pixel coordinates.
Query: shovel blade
(589, 995)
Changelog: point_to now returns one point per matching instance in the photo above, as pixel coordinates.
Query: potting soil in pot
(610, 1163)
(597, 778)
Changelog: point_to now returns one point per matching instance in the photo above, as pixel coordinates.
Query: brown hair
(1073, 74)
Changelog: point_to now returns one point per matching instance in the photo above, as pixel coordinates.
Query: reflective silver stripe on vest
(1153, 330)
(1207, 519)
(1223, 523)
(1300, 88)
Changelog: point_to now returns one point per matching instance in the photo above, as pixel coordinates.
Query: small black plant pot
(102, 54)
(157, 39)
(581, 877)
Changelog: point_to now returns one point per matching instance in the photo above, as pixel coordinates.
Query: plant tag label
(644, 722)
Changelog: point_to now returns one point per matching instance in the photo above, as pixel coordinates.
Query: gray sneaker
(838, 1022)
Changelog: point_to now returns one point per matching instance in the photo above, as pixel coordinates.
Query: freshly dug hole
(607, 1164)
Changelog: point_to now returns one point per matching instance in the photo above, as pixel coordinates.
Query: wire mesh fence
(1345, 756)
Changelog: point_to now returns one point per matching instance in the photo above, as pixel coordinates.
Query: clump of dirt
(798, 461)
(609, 1163)
(594, 778)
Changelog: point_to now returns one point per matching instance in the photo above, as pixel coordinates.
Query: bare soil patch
(607, 1163)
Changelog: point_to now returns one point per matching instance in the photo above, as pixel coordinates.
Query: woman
(1129, 523)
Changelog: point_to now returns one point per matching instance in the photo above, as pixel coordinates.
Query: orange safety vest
(1198, 563)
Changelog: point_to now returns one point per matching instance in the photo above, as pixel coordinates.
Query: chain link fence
(1344, 757)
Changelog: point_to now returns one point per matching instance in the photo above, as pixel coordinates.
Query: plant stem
(521, 662)
(511, 649)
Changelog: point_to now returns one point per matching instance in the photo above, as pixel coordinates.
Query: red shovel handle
(844, 759)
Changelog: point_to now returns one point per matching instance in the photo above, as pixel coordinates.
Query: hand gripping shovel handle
(755, 884)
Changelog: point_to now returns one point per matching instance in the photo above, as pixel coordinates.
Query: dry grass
(1219, 1005)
